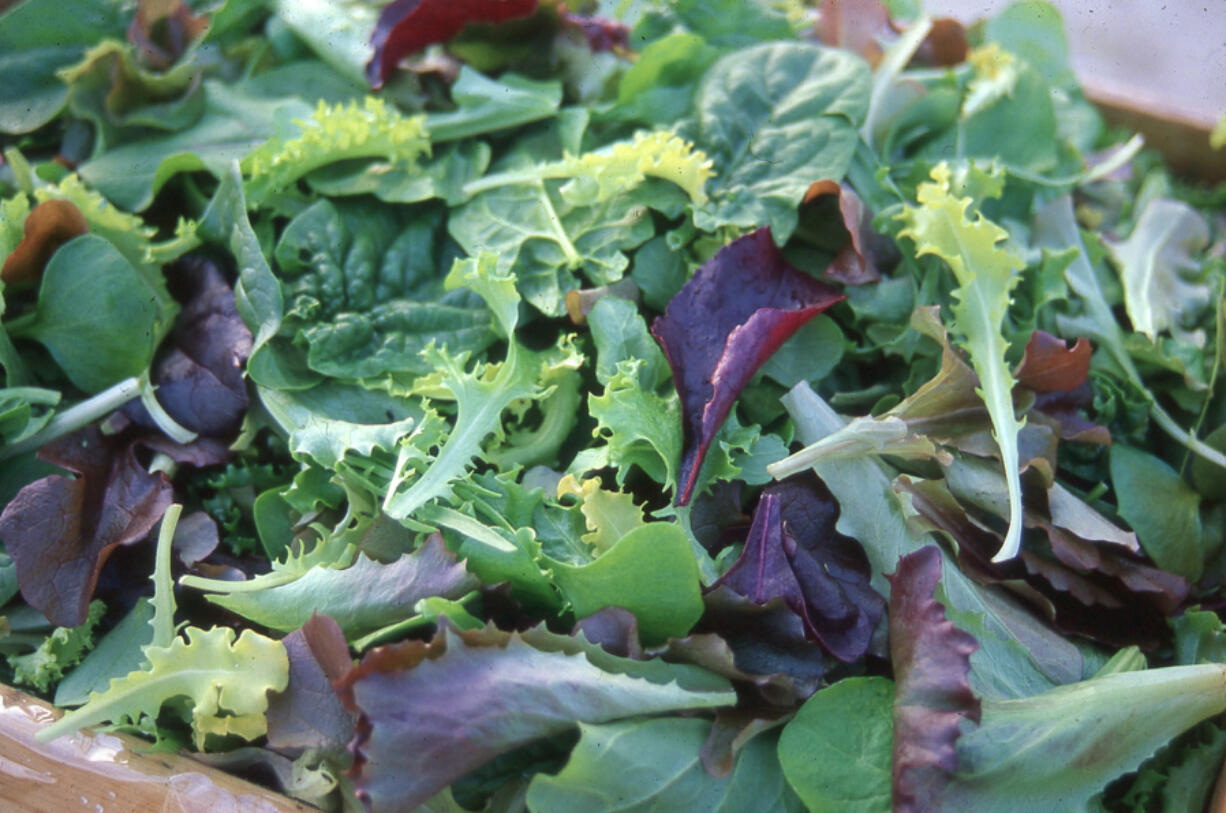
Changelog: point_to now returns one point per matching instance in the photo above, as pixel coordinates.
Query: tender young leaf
(620, 334)
(308, 715)
(986, 275)
(332, 134)
(485, 105)
(1161, 508)
(931, 661)
(48, 226)
(118, 653)
(360, 598)
(406, 26)
(651, 572)
(363, 291)
(642, 429)
(60, 650)
(1161, 275)
(433, 711)
(609, 515)
(775, 118)
(836, 750)
(60, 531)
(793, 552)
(226, 681)
(38, 39)
(663, 756)
(724, 324)
(1056, 750)
(97, 315)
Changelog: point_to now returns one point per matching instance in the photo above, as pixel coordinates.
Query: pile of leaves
(706, 405)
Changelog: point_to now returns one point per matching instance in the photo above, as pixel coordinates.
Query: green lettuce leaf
(663, 756)
(986, 275)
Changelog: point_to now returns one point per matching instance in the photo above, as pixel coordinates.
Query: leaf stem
(77, 417)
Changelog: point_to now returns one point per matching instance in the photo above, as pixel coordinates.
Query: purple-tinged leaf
(858, 261)
(722, 326)
(932, 697)
(309, 714)
(794, 553)
(199, 376)
(601, 33)
(407, 26)
(59, 531)
(431, 712)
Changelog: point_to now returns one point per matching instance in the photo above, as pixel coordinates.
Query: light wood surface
(107, 773)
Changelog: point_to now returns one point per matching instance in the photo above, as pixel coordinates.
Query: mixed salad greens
(705, 405)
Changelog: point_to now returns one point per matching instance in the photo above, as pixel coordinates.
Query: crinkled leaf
(663, 756)
(60, 650)
(609, 515)
(642, 428)
(1163, 288)
(360, 598)
(775, 118)
(60, 531)
(986, 274)
(432, 711)
(620, 334)
(406, 26)
(836, 750)
(227, 682)
(364, 292)
(723, 325)
(650, 571)
(1056, 750)
(931, 661)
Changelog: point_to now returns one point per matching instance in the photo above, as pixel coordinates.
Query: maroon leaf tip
(722, 326)
(932, 696)
(406, 26)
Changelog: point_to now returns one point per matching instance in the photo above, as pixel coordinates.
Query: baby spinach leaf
(664, 757)
(1161, 508)
(362, 292)
(775, 118)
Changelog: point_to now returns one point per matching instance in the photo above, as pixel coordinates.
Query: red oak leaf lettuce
(406, 26)
(932, 696)
(722, 326)
(794, 553)
(59, 530)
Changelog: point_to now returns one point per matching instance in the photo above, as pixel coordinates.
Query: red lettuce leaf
(432, 711)
(59, 531)
(722, 326)
(406, 26)
(309, 715)
(794, 553)
(859, 260)
(199, 373)
(932, 696)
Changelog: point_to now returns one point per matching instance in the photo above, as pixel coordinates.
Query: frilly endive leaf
(335, 133)
(986, 274)
(227, 682)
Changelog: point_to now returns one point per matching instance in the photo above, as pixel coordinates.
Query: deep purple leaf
(309, 714)
(407, 26)
(794, 553)
(722, 326)
(59, 531)
(932, 696)
(199, 373)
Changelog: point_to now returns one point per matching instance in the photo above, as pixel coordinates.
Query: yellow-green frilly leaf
(227, 682)
(659, 155)
(986, 273)
(335, 133)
